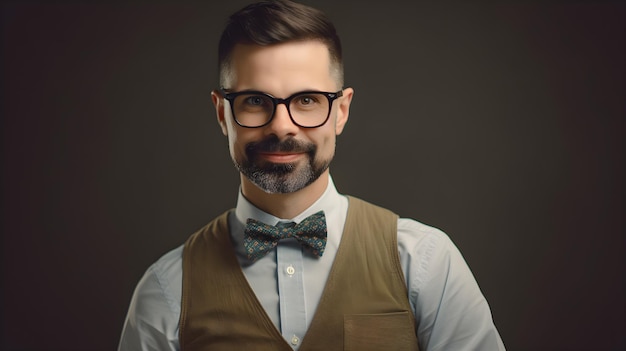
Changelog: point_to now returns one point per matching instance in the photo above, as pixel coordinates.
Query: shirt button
(290, 270)
(295, 340)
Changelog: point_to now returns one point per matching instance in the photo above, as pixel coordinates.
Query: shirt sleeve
(152, 320)
(451, 312)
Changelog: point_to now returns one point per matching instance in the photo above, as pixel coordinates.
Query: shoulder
(414, 235)
(427, 253)
(169, 262)
(426, 242)
(162, 281)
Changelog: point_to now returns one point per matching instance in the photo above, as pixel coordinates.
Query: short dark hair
(278, 21)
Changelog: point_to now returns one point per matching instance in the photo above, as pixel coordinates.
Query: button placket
(292, 308)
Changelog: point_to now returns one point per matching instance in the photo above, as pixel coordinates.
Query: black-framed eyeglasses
(307, 109)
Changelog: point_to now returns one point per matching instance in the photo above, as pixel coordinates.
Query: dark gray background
(503, 125)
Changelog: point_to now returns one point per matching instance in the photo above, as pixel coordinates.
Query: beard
(281, 178)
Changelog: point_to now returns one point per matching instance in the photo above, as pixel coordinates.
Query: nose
(281, 124)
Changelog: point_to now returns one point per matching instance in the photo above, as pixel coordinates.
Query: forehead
(281, 67)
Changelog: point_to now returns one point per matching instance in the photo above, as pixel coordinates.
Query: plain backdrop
(501, 124)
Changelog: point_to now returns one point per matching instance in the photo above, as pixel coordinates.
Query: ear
(343, 110)
(218, 102)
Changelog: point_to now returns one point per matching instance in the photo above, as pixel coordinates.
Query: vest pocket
(381, 331)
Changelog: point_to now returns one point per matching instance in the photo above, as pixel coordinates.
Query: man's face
(282, 157)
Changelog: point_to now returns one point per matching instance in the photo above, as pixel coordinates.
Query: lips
(277, 151)
(280, 157)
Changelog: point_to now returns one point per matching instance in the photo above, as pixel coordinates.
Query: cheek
(232, 138)
(326, 145)
(238, 138)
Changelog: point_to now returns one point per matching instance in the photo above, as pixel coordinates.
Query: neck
(286, 205)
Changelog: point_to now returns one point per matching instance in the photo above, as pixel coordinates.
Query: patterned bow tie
(261, 238)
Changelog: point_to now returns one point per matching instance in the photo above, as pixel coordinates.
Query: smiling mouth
(274, 151)
(280, 157)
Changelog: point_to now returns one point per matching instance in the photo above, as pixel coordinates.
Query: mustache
(273, 144)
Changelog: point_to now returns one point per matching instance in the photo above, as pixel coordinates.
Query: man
(296, 265)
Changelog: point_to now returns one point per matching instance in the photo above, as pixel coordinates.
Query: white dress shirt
(450, 311)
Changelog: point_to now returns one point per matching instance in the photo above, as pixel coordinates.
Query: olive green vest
(364, 305)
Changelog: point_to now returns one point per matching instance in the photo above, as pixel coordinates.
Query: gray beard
(274, 178)
(281, 178)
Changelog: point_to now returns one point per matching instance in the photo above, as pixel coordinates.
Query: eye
(309, 99)
(255, 100)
